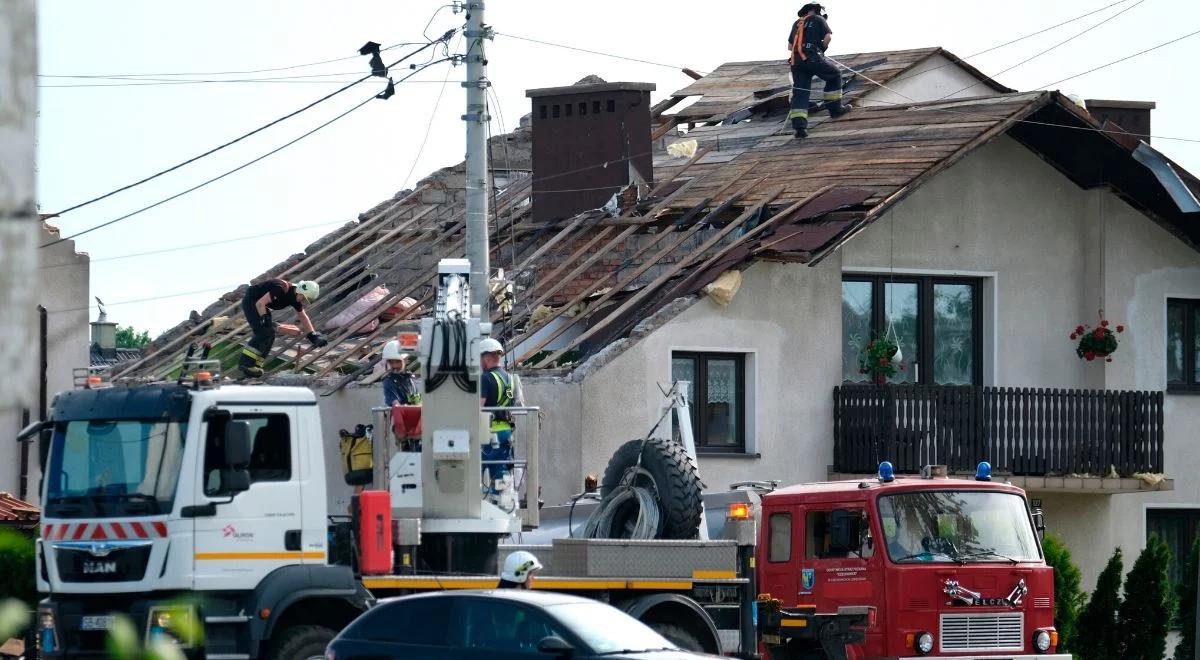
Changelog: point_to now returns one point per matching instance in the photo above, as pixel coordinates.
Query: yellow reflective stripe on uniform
(253, 355)
(798, 114)
(833, 96)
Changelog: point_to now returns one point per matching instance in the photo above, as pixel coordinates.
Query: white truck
(200, 511)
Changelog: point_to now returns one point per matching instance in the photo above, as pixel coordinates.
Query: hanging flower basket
(1095, 343)
(878, 360)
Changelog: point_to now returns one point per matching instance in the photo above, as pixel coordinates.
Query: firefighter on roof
(275, 294)
(807, 43)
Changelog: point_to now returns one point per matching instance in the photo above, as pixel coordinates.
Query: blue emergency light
(983, 472)
(887, 473)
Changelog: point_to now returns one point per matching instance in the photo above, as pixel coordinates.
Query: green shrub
(1068, 597)
(1097, 636)
(17, 577)
(1186, 593)
(1145, 615)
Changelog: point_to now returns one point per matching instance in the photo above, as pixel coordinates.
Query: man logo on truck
(99, 567)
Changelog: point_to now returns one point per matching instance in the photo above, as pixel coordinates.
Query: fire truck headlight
(1041, 641)
(924, 643)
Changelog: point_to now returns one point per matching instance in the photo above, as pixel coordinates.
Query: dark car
(497, 625)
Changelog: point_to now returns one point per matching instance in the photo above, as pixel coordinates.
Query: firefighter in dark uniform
(496, 390)
(807, 43)
(260, 299)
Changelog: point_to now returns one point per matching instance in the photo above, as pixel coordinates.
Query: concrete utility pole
(477, 156)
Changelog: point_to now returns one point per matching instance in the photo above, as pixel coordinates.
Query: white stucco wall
(935, 78)
(18, 223)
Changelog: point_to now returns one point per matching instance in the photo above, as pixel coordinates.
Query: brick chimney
(589, 140)
(1131, 116)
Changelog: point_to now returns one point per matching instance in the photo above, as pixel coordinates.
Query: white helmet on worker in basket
(391, 351)
(309, 289)
(489, 345)
(519, 565)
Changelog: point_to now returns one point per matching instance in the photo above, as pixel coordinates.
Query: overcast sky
(93, 139)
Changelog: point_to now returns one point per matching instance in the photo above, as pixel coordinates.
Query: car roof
(537, 598)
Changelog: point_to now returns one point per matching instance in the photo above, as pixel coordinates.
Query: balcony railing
(1020, 431)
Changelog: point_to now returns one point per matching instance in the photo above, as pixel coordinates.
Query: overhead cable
(243, 137)
(595, 52)
(229, 172)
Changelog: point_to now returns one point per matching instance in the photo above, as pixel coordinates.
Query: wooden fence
(1019, 430)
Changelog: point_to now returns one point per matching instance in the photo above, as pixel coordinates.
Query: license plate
(96, 623)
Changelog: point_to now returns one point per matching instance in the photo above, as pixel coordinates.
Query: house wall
(18, 222)
(1004, 212)
(935, 78)
(1001, 214)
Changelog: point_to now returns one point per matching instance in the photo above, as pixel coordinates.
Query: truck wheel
(301, 643)
(678, 636)
(667, 471)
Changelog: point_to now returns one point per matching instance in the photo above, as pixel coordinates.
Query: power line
(227, 287)
(432, 115)
(1047, 50)
(1011, 42)
(222, 176)
(243, 137)
(226, 73)
(1117, 61)
(191, 246)
(595, 52)
(152, 82)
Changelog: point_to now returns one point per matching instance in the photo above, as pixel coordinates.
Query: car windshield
(606, 630)
(957, 526)
(106, 468)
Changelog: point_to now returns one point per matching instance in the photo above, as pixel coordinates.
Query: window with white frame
(718, 398)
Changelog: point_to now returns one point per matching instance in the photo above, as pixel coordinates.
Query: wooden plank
(659, 281)
(179, 341)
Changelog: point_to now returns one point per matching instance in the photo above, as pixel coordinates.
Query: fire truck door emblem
(960, 595)
(808, 578)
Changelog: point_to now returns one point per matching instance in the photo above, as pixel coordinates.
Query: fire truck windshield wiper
(962, 559)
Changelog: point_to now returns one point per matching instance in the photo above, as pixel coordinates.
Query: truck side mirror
(1039, 522)
(237, 445)
(845, 531)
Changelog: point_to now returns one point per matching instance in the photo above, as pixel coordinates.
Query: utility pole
(477, 156)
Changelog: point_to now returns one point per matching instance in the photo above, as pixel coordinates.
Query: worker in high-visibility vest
(807, 43)
(496, 389)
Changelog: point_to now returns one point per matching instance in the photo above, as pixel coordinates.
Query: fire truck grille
(982, 632)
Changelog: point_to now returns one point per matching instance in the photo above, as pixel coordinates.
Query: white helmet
(309, 289)
(519, 565)
(489, 345)
(391, 351)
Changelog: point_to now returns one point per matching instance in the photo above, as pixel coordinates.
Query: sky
(93, 139)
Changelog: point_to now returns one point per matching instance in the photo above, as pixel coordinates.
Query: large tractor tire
(668, 473)
(302, 643)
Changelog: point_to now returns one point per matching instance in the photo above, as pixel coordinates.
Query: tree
(1068, 597)
(1186, 593)
(1146, 613)
(127, 337)
(1098, 637)
(17, 567)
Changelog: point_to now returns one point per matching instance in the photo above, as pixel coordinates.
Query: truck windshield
(957, 526)
(104, 469)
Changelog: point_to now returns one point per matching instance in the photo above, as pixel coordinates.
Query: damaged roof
(16, 512)
(747, 191)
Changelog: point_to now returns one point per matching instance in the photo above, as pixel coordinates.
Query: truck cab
(198, 512)
(941, 567)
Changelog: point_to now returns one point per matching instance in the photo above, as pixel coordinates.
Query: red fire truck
(922, 567)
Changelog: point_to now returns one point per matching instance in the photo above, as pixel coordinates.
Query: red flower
(883, 362)
(1079, 329)
(1098, 333)
(1103, 323)
(1074, 336)
(1120, 328)
(1089, 356)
